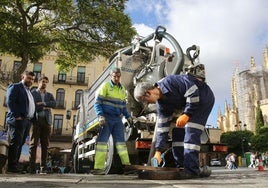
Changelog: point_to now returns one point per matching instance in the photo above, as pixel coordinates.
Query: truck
(148, 59)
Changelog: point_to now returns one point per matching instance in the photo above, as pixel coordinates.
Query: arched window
(57, 124)
(60, 95)
(77, 98)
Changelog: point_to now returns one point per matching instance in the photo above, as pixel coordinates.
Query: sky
(229, 33)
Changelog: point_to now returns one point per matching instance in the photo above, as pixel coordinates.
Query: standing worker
(21, 109)
(191, 94)
(41, 127)
(110, 106)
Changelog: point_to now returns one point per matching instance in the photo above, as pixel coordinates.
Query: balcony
(70, 80)
(60, 105)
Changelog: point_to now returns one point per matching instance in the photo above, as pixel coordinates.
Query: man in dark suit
(41, 127)
(21, 110)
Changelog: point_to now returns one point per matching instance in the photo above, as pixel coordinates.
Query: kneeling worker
(194, 97)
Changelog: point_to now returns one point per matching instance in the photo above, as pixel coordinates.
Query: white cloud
(143, 30)
(228, 32)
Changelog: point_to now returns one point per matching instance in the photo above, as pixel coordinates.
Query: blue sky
(229, 33)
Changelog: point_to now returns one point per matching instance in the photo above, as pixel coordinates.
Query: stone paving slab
(242, 177)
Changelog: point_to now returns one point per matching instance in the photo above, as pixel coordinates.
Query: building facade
(66, 87)
(249, 89)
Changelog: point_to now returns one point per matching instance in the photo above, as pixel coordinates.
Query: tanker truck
(148, 59)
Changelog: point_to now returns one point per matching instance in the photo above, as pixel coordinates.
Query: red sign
(220, 148)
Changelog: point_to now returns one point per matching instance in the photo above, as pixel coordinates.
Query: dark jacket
(17, 102)
(49, 102)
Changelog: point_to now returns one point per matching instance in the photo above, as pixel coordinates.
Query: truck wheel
(131, 133)
(110, 155)
(79, 165)
(76, 160)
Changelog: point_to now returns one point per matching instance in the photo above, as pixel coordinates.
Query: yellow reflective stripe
(101, 147)
(120, 144)
(190, 91)
(191, 146)
(195, 126)
(192, 99)
(112, 99)
(121, 147)
(174, 144)
(123, 153)
(162, 129)
(102, 144)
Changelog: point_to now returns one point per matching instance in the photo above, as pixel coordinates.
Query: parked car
(215, 162)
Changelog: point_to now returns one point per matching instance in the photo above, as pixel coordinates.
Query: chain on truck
(148, 59)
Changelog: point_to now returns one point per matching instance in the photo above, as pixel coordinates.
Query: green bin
(247, 156)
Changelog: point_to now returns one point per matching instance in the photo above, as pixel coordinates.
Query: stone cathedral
(249, 88)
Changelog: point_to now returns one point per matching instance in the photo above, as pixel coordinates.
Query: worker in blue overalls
(189, 93)
(110, 105)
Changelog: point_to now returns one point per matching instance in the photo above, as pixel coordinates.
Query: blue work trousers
(186, 148)
(114, 127)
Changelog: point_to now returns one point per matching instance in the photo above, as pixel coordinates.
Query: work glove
(102, 121)
(130, 120)
(157, 156)
(182, 120)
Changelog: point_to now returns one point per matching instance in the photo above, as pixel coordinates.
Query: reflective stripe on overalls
(115, 127)
(110, 103)
(186, 146)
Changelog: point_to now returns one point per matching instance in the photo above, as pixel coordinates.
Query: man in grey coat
(41, 127)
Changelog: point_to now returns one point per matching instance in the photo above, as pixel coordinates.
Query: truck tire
(131, 133)
(110, 155)
(81, 165)
(76, 161)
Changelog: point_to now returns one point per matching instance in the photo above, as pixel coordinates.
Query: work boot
(98, 172)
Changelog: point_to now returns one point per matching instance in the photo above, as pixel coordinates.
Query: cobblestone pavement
(242, 177)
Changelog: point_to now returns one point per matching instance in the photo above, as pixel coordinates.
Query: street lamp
(68, 117)
(68, 114)
(242, 146)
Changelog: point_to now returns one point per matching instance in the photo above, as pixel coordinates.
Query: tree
(259, 142)
(259, 119)
(237, 141)
(77, 30)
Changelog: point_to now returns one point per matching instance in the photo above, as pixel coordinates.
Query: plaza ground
(221, 177)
